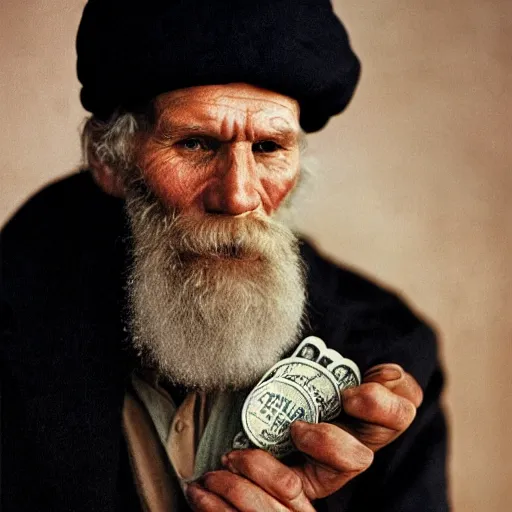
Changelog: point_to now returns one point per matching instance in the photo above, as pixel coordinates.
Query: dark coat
(65, 362)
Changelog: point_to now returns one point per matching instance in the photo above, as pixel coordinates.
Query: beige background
(414, 188)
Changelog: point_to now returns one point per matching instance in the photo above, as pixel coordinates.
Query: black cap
(129, 51)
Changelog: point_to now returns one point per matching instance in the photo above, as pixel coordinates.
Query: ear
(108, 179)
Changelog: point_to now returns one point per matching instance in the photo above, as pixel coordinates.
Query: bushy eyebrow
(285, 135)
(181, 130)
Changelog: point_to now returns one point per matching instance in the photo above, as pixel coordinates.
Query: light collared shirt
(171, 446)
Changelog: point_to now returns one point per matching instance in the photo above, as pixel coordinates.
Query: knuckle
(327, 434)
(316, 434)
(246, 459)
(404, 413)
(251, 462)
(221, 481)
(256, 456)
(368, 398)
(290, 485)
(355, 458)
(323, 431)
(370, 391)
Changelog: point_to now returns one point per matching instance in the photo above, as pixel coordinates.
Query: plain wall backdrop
(413, 187)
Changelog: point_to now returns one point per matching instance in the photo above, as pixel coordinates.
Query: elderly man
(143, 298)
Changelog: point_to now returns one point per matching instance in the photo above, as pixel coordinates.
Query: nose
(235, 187)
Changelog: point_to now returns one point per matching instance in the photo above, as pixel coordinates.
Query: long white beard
(215, 301)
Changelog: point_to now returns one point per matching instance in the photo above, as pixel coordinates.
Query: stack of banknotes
(306, 386)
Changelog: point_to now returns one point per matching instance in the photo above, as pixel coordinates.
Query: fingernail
(387, 374)
(194, 490)
(375, 370)
(203, 480)
(371, 372)
(227, 461)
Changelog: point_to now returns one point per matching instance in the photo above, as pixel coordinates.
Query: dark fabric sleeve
(409, 475)
(372, 325)
(63, 357)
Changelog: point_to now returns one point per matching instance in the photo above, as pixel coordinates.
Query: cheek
(168, 177)
(279, 181)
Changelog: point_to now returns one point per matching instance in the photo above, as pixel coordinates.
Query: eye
(192, 144)
(265, 146)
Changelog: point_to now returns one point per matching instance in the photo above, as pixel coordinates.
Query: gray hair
(111, 142)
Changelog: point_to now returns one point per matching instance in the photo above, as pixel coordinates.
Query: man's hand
(376, 413)
(383, 406)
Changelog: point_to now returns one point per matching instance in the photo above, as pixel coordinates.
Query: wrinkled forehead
(234, 105)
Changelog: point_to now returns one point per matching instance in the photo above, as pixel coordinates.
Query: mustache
(190, 236)
(249, 237)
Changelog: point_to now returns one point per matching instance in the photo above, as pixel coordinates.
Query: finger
(374, 437)
(336, 455)
(396, 379)
(373, 403)
(202, 500)
(240, 492)
(271, 475)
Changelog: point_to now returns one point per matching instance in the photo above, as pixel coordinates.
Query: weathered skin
(232, 150)
(383, 407)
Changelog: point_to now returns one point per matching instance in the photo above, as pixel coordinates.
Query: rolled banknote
(269, 410)
(315, 379)
(306, 386)
(328, 357)
(346, 373)
(310, 348)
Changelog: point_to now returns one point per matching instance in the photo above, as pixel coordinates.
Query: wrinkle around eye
(266, 146)
(194, 144)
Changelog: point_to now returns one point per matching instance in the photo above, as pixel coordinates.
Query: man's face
(216, 286)
(222, 149)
